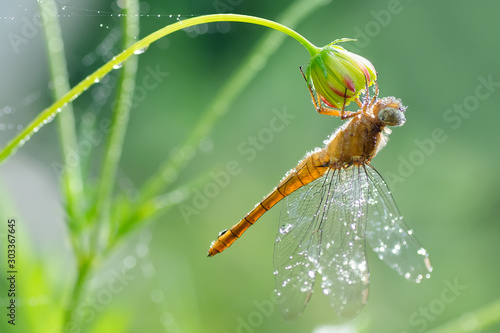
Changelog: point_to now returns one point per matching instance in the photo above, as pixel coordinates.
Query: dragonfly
(335, 205)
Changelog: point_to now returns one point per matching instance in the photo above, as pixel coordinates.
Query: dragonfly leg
(367, 93)
(327, 110)
(375, 93)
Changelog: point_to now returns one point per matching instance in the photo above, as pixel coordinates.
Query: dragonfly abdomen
(310, 168)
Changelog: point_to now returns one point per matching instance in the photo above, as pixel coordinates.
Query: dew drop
(156, 295)
(147, 269)
(206, 144)
(422, 251)
(141, 50)
(142, 250)
(129, 262)
(285, 229)
(118, 65)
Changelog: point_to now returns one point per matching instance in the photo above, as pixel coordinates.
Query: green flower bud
(338, 76)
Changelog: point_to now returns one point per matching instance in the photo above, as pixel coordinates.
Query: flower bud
(339, 76)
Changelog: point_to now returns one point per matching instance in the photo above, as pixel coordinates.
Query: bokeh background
(434, 55)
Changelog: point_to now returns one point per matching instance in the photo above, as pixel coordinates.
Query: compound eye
(392, 116)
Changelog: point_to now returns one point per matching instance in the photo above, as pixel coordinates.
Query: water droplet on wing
(285, 229)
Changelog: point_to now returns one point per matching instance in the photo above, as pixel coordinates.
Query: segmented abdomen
(310, 168)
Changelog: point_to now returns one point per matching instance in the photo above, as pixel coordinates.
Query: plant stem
(84, 270)
(226, 95)
(49, 113)
(121, 113)
(71, 174)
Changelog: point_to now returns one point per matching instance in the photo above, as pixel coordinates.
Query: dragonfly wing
(343, 266)
(322, 232)
(388, 235)
(297, 248)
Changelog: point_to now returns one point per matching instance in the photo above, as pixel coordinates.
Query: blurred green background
(434, 55)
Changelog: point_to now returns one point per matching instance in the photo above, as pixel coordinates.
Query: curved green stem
(49, 113)
(223, 99)
(228, 92)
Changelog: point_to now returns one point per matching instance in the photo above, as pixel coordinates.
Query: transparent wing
(388, 235)
(297, 247)
(322, 232)
(343, 266)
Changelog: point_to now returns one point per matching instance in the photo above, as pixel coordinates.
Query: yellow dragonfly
(336, 203)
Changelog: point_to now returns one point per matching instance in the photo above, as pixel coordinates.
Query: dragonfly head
(390, 111)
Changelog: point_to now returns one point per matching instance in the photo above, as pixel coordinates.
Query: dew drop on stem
(141, 50)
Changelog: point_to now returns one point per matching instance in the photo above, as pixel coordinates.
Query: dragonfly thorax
(358, 141)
